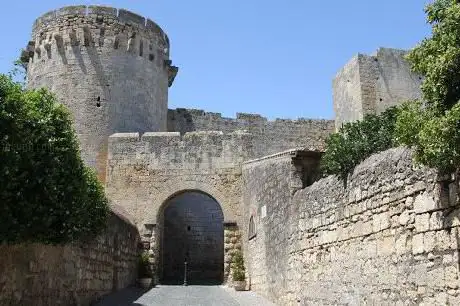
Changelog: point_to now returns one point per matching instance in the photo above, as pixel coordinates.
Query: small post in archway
(185, 272)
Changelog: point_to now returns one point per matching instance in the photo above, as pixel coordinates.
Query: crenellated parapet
(171, 150)
(271, 136)
(95, 27)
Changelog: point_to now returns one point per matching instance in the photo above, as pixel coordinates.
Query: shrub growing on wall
(238, 273)
(432, 128)
(47, 194)
(356, 141)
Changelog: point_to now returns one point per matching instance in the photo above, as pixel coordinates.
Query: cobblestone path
(184, 296)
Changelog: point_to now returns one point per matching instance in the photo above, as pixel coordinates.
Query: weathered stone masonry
(270, 137)
(74, 274)
(369, 84)
(144, 172)
(110, 67)
(389, 237)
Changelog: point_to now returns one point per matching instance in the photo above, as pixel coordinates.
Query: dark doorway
(192, 230)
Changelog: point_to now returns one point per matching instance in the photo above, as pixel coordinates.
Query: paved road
(184, 296)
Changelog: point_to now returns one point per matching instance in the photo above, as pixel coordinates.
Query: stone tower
(369, 84)
(111, 67)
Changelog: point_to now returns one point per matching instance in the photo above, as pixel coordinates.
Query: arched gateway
(171, 182)
(191, 229)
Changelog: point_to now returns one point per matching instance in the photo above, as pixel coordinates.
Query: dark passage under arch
(192, 230)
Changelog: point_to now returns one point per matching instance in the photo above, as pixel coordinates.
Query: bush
(238, 270)
(356, 141)
(47, 193)
(144, 270)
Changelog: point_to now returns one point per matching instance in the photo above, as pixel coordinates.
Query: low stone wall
(389, 237)
(74, 274)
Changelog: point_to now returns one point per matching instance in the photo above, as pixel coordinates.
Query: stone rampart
(390, 236)
(269, 136)
(74, 274)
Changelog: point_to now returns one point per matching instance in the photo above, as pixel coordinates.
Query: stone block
(401, 244)
(424, 203)
(422, 222)
(451, 277)
(436, 221)
(428, 241)
(385, 246)
(404, 218)
(417, 244)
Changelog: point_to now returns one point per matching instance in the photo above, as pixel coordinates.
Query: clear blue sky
(275, 58)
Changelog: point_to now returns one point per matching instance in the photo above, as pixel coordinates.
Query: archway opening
(192, 230)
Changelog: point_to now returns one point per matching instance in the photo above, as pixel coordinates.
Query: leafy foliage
(431, 127)
(356, 141)
(144, 266)
(47, 193)
(238, 270)
(438, 57)
(434, 130)
(434, 135)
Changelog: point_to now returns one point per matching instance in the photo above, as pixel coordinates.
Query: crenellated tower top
(110, 66)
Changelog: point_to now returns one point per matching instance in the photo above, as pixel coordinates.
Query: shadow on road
(124, 297)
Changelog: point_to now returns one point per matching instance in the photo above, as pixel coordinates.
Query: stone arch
(191, 229)
(174, 188)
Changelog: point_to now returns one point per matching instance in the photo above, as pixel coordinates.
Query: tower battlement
(95, 27)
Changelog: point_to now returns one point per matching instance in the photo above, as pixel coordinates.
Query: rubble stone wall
(389, 236)
(73, 274)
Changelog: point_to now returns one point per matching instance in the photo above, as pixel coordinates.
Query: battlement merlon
(98, 13)
(177, 113)
(95, 25)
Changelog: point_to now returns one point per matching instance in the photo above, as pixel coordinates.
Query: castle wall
(110, 67)
(269, 136)
(389, 237)
(145, 172)
(371, 84)
(395, 81)
(157, 165)
(72, 274)
(265, 181)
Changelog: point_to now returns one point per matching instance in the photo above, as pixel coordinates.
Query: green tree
(47, 193)
(437, 57)
(432, 128)
(434, 134)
